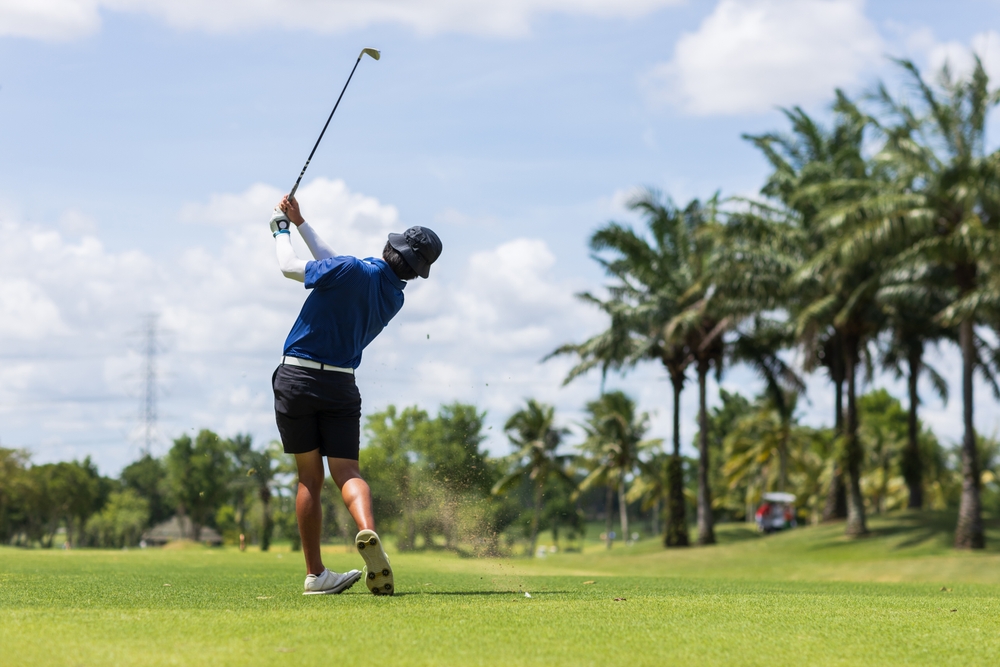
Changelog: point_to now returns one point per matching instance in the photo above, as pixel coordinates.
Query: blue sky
(143, 143)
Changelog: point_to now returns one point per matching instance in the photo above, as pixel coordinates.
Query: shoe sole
(378, 576)
(337, 590)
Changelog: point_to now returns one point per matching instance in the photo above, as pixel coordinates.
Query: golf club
(374, 54)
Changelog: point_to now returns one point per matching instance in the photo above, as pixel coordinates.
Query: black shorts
(317, 409)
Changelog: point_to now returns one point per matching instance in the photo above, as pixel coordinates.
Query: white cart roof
(778, 497)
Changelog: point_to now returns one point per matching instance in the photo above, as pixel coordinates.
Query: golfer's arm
(290, 265)
(317, 246)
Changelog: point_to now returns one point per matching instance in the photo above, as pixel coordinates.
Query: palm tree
(911, 298)
(652, 277)
(614, 440)
(533, 432)
(851, 310)
(803, 163)
(946, 204)
(960, 187)
(831, 299)
(799, 160)
(739, 276)
(701, 325)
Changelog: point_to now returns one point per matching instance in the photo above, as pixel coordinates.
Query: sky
(143, 144)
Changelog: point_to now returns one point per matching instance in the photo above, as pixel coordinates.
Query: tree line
(435, 487)
(210, 481)
(871, 240)
(432, 481)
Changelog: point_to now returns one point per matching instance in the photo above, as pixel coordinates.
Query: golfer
(316, 402)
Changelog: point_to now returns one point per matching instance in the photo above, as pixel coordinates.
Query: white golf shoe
(379, 574)
(330, 583)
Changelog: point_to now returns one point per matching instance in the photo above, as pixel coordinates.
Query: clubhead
(372, 52)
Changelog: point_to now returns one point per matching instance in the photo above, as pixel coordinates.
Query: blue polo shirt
(351, 302)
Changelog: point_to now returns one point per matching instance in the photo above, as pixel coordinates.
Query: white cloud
(26, 311)
(352, 223)
(64, 19)
(70, 325)
(504, 300)
(49, 19)
(959, 56)
(752, 55)
(76, 223)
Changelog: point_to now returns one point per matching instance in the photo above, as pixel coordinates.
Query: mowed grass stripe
(702, 623)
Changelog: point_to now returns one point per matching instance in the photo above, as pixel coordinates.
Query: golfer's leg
(308, 509)
(357, 496)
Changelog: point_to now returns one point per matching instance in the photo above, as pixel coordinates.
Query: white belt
(309, 363)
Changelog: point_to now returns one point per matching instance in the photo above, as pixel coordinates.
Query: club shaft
(313, 151)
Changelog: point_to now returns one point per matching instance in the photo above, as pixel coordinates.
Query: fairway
(806, 597)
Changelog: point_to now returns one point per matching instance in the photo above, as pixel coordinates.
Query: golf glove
(280, 223)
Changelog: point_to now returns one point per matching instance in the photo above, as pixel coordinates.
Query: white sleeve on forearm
(290, 265)
(317, 246)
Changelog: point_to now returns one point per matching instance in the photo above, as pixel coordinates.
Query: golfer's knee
(343, 471)
(311, 474)
(313, 485)
(348, 478)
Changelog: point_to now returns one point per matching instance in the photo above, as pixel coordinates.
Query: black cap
(419, 246)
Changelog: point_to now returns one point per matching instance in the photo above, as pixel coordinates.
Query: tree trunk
(535, 517)
(655, 523)
(969, 532)
(268, 528)
(835, 506)
(855, 502)
(608, 499)
(783, 456)
(623, 508)
(706, 530)
(911, 464)
(677, 531)
(676, 534)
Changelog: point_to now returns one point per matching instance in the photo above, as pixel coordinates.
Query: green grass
(807, 597)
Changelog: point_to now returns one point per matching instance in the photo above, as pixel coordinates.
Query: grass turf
(804, 597)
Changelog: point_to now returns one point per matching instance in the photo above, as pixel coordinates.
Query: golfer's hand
(290, 207)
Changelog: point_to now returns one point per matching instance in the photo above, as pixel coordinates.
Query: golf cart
(776, 512)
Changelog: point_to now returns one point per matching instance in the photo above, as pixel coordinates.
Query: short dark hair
(396, 262)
